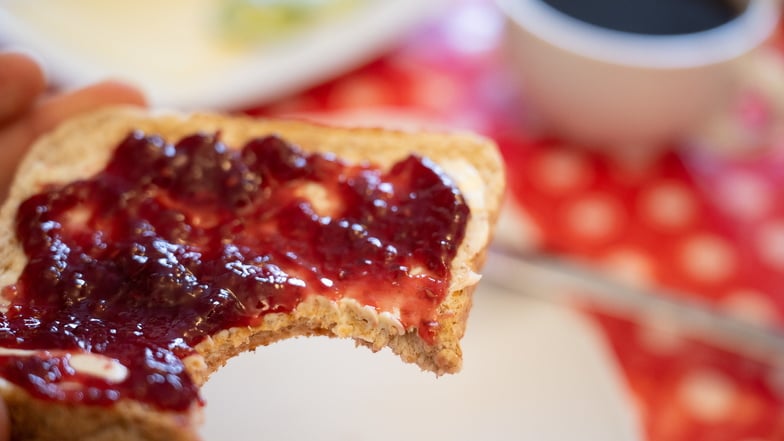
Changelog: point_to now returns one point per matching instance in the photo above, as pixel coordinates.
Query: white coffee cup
(611, 89)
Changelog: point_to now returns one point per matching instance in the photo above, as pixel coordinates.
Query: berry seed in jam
(173, 243)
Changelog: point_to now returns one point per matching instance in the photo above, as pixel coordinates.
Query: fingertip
(56, 109)
(23, 65)
(22, 81)
(116, 92)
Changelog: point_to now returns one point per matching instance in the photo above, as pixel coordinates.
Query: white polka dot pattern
(707, 258)
(629, 266)
(594, 217)
(561, 171)
(660, 336)
(750, 305)
(363, 91)
(744, 196)
(707, 395)
(770, 245)
(668, 205)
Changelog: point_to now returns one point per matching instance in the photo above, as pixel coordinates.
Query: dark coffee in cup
(651, 17)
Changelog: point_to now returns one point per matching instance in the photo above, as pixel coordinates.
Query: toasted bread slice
(80, 148)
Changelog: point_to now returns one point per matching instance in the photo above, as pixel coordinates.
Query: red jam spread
(172, 243)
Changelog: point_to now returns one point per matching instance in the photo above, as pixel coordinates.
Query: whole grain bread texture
(81, 148)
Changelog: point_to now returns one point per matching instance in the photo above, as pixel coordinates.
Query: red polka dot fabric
(705, 223)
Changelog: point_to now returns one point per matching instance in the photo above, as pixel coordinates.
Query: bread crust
(81, 148)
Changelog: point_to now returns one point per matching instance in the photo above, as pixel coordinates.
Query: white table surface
(532, 371)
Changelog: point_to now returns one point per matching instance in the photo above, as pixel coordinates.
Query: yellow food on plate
(258, 21)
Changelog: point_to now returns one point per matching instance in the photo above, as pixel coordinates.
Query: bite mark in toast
(471, 162)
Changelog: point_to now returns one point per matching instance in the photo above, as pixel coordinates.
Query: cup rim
(722, 43)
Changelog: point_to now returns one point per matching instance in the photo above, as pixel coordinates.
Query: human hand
(25, 114)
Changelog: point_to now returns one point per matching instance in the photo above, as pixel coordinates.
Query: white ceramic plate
(166, 48)
(532, 371)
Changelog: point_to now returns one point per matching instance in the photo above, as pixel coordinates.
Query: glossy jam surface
(174, 242)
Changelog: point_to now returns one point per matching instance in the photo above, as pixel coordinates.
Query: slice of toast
(82, 147)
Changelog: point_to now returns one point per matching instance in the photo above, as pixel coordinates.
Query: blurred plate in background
(176, 51)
